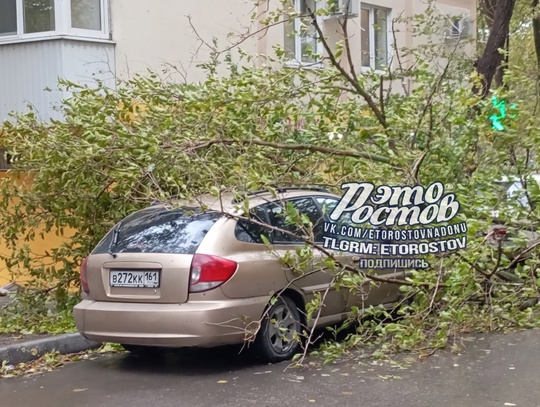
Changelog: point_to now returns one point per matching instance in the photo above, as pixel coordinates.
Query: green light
(496, 119)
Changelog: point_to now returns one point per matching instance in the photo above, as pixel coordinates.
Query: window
(159, 230)
(274, 214)
(458, 27)
(328, 205)
(278, 219)
(38, 16)
(455, 27)
(21, 19)
(301, 42)
(374, 37)
(8, 17)
(86, 14)
(247, 231)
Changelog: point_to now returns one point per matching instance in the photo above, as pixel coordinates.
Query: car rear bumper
(197, 323)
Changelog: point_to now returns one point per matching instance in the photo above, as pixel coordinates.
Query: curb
(30, 350)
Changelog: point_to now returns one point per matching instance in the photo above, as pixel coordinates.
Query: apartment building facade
(88, 40)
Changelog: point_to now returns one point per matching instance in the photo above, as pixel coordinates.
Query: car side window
(306, 206)
(328, 205)
(252, 232)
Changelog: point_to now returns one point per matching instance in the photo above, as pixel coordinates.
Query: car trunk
(147, 257)
(133, 278)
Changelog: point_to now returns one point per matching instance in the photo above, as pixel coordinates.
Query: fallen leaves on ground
(51, 361)
(45, 363)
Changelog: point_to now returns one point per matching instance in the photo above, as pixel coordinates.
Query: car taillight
(209, 272)
(84, 277)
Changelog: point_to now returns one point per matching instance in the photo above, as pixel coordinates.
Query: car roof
(227, 203)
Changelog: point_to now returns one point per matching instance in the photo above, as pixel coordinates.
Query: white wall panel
(27, 69)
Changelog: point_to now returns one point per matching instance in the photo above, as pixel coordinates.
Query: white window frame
(371, 32)
(297, 62)
(62, 22)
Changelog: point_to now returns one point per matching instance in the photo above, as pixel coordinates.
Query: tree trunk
(536, 32)
(490, 64)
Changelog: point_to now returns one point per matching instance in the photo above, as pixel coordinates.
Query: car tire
(278, 336)
(140, 350)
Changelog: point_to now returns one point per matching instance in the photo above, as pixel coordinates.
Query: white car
(515, 196)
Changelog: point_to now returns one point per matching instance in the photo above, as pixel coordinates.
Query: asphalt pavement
(493, 370)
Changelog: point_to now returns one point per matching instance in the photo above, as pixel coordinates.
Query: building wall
(38, 247)
(169, 36)
(27, 69)
(153, 34)
(465, 8)
(21, 83)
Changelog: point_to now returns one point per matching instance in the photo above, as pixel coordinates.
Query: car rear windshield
(159, 230)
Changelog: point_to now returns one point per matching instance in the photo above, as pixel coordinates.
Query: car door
(369, 293)
(311, 281)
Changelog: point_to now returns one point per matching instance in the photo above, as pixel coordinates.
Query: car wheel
(278, 339)
(140, 350)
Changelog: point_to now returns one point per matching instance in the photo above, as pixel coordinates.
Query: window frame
(62, 22)
(296, 61)
(371, 32)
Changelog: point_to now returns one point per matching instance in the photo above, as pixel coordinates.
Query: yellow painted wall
(38, 246)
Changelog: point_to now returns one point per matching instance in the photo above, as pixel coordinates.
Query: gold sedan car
(192, 276)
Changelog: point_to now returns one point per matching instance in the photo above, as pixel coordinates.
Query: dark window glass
(328, 205)
(159, 230)
(278, 219)
(250, 232)
(8, 17)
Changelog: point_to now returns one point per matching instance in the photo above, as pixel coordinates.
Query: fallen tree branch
(286, 146)
(521, 255)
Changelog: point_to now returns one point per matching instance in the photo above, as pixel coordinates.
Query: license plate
(131, 278)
